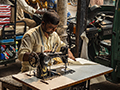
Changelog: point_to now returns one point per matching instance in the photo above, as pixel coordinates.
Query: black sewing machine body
(43, 60)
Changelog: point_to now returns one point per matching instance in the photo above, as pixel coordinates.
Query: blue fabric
(68, 14)
(2, 56)
(10, 49)
(2, 49)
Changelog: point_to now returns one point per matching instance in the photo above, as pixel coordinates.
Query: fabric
(84, 51)
(32, 41)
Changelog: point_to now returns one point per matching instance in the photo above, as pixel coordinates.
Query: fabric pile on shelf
(5, 14)
(7, 52)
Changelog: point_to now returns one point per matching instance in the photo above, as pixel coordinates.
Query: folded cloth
(81, 61)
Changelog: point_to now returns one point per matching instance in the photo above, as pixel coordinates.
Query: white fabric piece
(84, 51)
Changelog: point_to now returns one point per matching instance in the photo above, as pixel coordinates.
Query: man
(22, 7)
(42, 35)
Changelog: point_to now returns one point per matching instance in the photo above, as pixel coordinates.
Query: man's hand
(47, 51)
(26, 56)
(70, 55)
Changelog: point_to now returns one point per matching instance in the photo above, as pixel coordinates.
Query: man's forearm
(70, 55)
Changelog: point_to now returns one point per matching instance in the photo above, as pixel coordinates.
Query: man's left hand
(70, 55)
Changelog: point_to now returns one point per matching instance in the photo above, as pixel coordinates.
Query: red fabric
(5, 14)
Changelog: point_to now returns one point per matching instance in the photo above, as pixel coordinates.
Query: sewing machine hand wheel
(33, 59)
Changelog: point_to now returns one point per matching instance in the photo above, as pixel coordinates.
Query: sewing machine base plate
(53, 73)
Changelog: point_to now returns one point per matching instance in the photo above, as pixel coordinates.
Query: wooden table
(82, 73)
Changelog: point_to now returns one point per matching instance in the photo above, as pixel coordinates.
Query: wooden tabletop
(82, 73)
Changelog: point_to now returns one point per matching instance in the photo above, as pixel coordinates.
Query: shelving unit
(8, 38)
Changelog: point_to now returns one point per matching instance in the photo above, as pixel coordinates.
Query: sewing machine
(44, 60)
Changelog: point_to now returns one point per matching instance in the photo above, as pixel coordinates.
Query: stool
(9, 83)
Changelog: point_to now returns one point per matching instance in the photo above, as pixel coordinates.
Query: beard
(44, 30)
